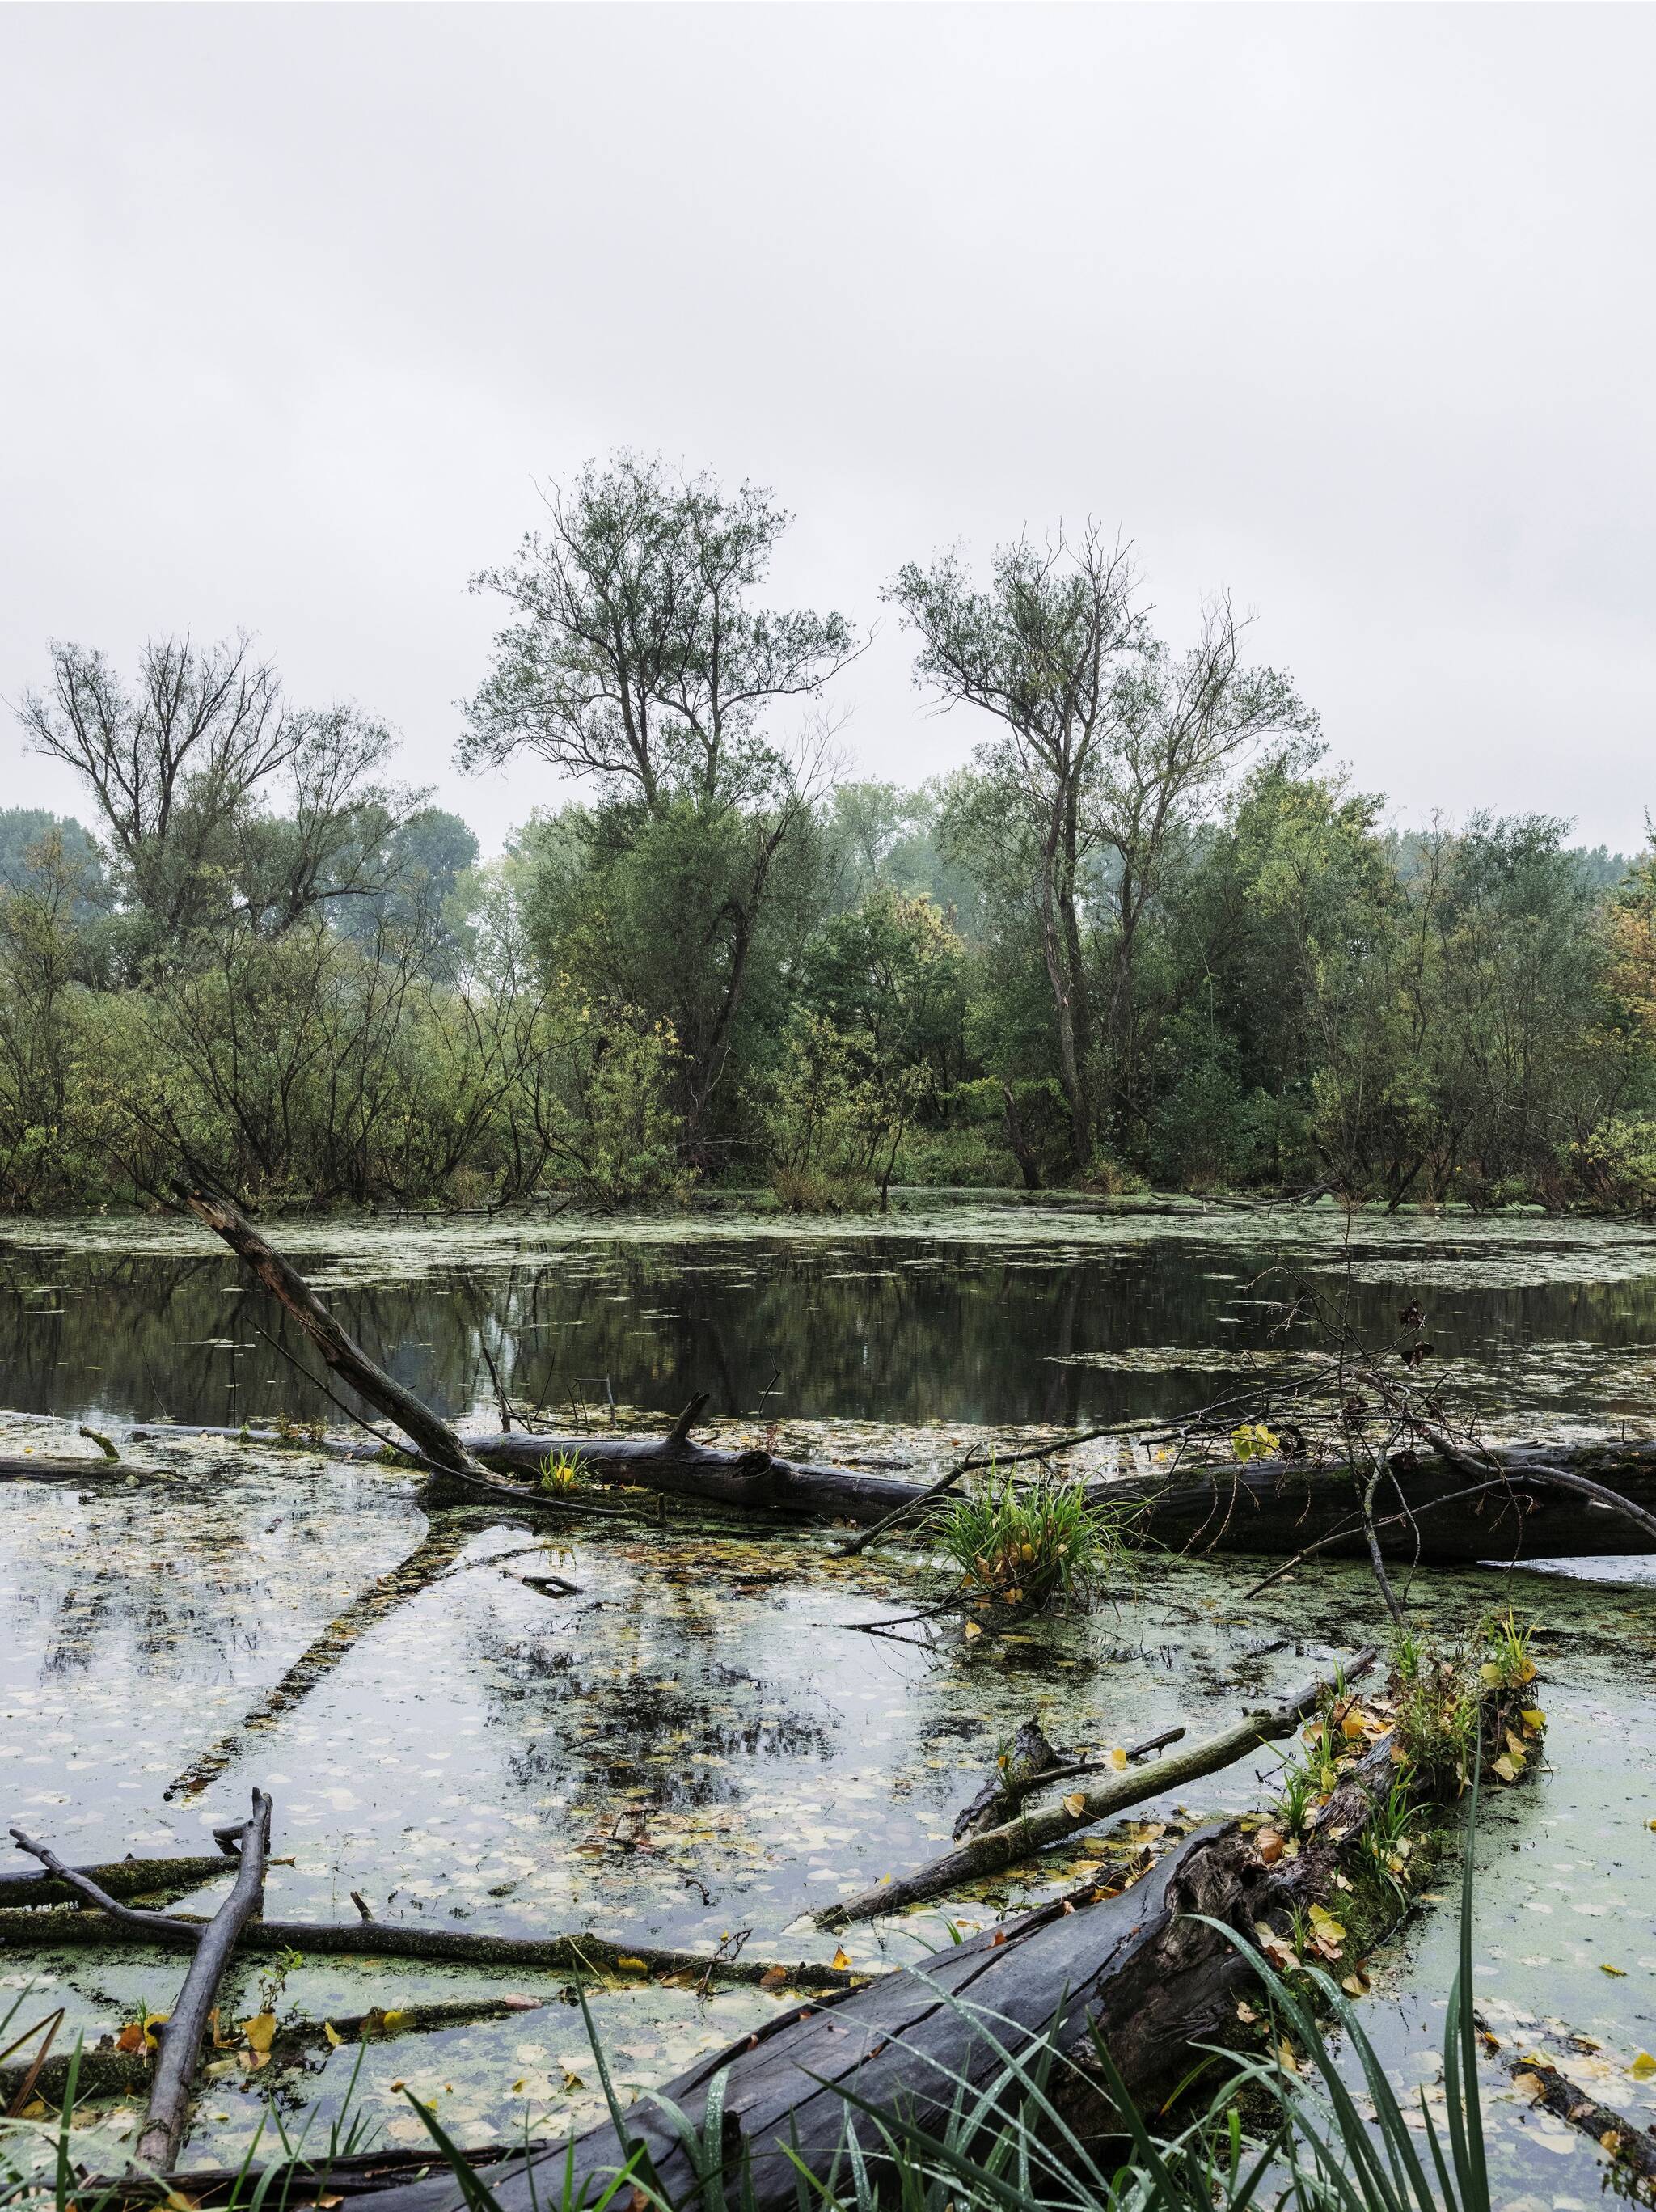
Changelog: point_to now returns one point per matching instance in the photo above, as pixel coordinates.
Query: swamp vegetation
(1149, 934)
(792, 1631)
(608, 1748)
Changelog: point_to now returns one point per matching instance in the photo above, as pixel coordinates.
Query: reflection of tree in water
(603, 1728)
(169, 1586)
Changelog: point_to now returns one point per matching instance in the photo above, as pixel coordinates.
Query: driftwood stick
(341, 1352)
(1631, 2147)
(996, 1849)
(175, 2067)
(84, 1885)
(55, 1928)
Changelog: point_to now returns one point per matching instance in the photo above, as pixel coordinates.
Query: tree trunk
(434, 1437)
(1153, 1977)
(996, 1848)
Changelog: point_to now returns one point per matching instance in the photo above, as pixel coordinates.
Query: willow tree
(637, 661)
(1108, 745)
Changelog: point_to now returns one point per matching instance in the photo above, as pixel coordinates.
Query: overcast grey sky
(1348, 308)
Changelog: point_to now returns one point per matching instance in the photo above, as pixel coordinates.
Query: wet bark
(343, 1355)
(58, 1927)
(993, 1849)
(1140, 1966)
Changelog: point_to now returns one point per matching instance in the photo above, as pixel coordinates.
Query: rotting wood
(101, 2073)
(1631, 2147)
(1153, 1977)
(37, 1467)
(994, 1849)
(1531, 1509)
(121, 1878)
(343, 1355)
(55, 1927)
(1035, 1763)
(213, 1946)
(431, 1558)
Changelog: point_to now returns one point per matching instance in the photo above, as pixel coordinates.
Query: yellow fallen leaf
(517, 2088)
(631, 1965)
(971, 1630)
(392, 2023)
(1269, 1845)
(260, 2031)
(773, 1977)
(1246, 2013)
(1530, 2085)
(1611, 2141)
(1351, 1727)
(1505, 1769)
(1642, 2067)
(1532, 1716)
(1119, 1760)
(1620, 1972)
(1075, 1805)
(332, 2034)
(841, 1958)
(572, 2080)
(1356, 1984)
(1489, 1673)
(1286, 2059)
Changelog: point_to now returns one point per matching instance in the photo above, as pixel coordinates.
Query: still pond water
(699, 1717)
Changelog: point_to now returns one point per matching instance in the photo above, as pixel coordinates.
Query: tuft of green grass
(561, 1472)
(1035, 1545)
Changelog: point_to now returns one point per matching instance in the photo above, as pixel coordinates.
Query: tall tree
(185, 764)
(637, 659)
(1108, 745)
(1043, 650)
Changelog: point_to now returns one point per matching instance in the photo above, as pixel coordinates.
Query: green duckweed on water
(696, 1743)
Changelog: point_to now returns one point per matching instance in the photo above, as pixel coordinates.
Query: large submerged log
(1426, 1508)
(1430, 1506)
(1155, 1979)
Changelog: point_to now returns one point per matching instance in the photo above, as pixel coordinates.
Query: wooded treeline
(1150, 934)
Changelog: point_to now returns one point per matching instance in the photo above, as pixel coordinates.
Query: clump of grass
(1040, 1545)
(561, 1472)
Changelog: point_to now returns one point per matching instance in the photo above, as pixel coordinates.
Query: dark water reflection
(884, 1328)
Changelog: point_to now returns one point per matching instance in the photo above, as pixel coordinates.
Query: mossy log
(1153, 1977)
(53, 1927)
(1426, 1508)
(128, 1877)
(101, 2073)
(993, 1849)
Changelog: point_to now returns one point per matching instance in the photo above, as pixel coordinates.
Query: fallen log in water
(212, 1945)
(1528, 1506)
(1435, 1507)
(61, 1926)
(101, 2073)
(1154, 1979)
(1632, 2147)
(993, 1849)
(129, 1877)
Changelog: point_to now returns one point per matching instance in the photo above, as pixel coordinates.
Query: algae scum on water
(695, 1741)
